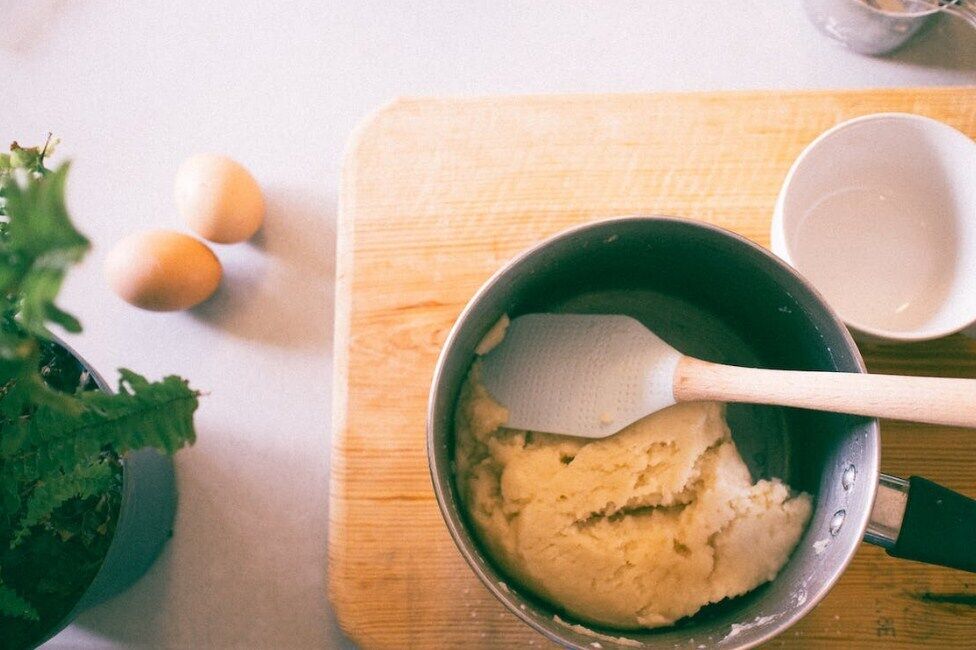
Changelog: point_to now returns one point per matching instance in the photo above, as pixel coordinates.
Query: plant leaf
(39, 245)
(50, 494)
(141, 414)
(11, 604)
(39, 222)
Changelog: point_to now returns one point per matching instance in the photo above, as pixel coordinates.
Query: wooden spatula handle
(918, 399)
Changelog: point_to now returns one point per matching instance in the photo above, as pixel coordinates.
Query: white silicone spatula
(590, 376)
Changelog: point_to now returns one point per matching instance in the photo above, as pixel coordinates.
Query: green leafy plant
(61, 439)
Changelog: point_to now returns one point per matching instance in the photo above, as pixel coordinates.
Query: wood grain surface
(438, 193)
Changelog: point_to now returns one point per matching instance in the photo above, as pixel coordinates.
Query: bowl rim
(452, 518)
(780, 246)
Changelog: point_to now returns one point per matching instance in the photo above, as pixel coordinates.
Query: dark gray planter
(145, 521)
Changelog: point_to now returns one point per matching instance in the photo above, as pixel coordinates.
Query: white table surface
(133, 87)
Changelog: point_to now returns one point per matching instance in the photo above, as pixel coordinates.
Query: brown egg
(162, 270)
(218, 199)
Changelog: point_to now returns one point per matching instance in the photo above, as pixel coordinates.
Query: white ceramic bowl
(879, 213)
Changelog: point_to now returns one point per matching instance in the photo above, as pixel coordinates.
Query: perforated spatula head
(579, 375)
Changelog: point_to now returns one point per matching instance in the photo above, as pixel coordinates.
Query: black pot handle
(923, 521)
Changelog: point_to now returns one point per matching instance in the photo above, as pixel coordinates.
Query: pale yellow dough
(636, 530)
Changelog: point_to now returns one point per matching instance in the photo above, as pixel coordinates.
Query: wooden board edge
(344, 264)
(468, 100)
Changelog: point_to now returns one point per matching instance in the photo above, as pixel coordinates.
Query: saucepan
(719, 297)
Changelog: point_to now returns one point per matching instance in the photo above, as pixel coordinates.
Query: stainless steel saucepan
(717, 297)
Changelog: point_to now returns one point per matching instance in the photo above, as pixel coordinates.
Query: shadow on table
(247, 565)
(279, 287)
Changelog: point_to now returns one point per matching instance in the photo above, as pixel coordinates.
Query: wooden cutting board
(438, 193)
